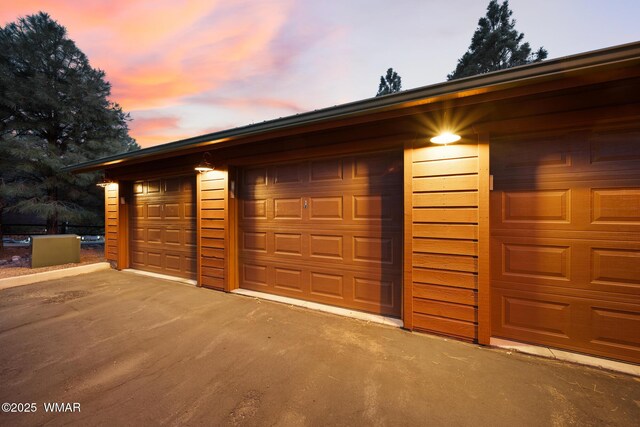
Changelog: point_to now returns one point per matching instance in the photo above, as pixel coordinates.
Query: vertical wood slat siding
(111, 224)
(212, 194)
(444, 256)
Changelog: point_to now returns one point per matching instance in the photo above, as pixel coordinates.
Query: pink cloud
(156, 52)
(155, 130)
(250, 103)
(153, 124)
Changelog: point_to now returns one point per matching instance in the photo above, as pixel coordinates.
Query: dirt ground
(132, 350)
(88, 255)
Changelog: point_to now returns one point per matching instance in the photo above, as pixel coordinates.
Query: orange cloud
(156, 52)
(161, 54)
(155, 130)
(153, 124)
(151, 140)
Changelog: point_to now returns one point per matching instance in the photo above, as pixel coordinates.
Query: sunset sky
(188, 67)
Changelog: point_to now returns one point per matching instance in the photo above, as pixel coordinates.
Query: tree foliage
(54, 112)
(389, 83)
(496, 45)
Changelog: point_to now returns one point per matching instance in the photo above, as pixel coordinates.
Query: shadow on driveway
(135, 350)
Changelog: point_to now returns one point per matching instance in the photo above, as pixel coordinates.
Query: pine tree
(496, 45)
(390, 83)
(54, 112)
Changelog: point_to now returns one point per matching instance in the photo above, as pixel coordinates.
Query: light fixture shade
(445, 138)
(205, 165)
(104, 182)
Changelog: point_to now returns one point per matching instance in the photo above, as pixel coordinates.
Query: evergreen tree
(390, 83)
(54, 112)
(496, 45)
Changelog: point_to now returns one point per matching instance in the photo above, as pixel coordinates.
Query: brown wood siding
(212, 227)
(111, 219)
(444, 256)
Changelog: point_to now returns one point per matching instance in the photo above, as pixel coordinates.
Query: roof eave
(495, 81)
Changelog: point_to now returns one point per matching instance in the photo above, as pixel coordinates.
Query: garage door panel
(532, 260)
(154, 211)
(606, 266)
(309, 229)
(367, 292)
(589, 206)
(288, 244)
(154, 235)
(533, 315)
(172, 262)
(253, 276)
(326, 208)
(163, 226)
(253, 209)
(615, 328)
(288, 278)
(171, 184)
(139, 210)
(615, 269)
(326, 170)
(326, 246)
(138, 257)
(565, 245)
(615, 206)
(376, 169)
(377, 250)
(172, 236)
(541, 261)
(358, 249)
(576, 152)
(618, 147)
(188, 263)
(154, 259)
(373, 291)
(189, 211)
(138, 187)
(190, 237)
(288, 174)
(172, 211)
(253, 241)
(327, 285)
(376, 207)
(287, 208)
(138, 234)
(537, 206)
(153, 186)
(526, 155)
(253, 177)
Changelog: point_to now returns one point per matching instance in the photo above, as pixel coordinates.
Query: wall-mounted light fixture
(104, 182)
(205, 164)
(445, 138)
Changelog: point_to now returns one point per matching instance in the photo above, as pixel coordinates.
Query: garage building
(526, 229)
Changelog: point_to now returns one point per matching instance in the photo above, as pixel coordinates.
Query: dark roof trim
(517, 75)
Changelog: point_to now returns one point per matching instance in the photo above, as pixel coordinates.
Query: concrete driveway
(133, 350)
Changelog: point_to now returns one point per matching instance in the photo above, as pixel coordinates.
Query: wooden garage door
(565, 250)
(163, 226)
(326, 230)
